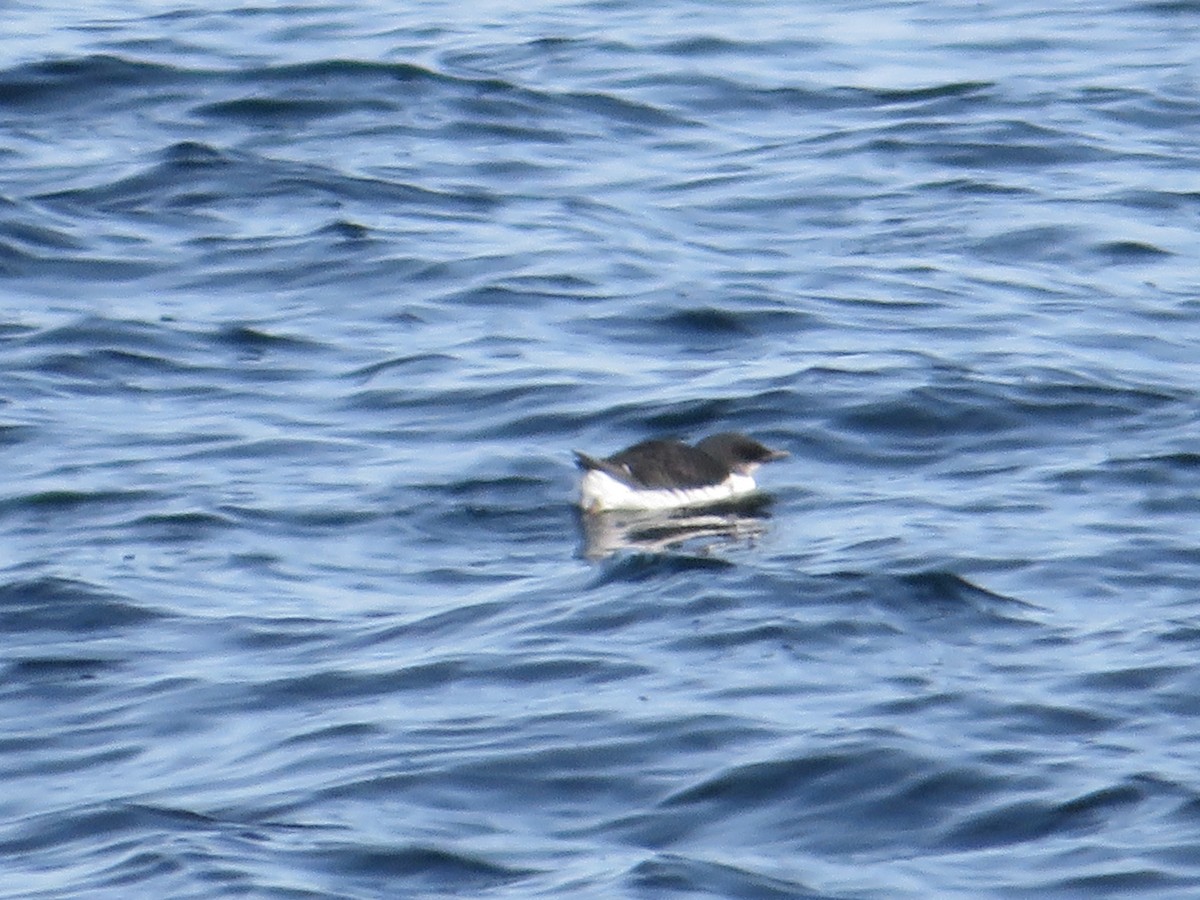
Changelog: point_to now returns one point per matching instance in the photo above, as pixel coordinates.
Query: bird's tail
(587, 463)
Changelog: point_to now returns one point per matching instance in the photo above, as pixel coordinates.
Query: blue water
(303, 308)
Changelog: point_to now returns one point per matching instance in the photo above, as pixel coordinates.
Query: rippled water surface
(303, 308)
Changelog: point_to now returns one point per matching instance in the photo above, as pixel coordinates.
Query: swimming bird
(669, 474)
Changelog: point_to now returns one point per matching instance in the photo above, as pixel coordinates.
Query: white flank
(599, 491)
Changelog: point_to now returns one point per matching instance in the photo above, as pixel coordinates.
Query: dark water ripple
(304, 308)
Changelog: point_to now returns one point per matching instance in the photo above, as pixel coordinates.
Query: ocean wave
(68, 606)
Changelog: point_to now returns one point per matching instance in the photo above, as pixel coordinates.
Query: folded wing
(659, 464)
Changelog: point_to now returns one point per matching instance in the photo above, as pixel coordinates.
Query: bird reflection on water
(663, 531)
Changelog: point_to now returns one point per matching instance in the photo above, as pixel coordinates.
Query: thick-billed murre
(668, 474)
